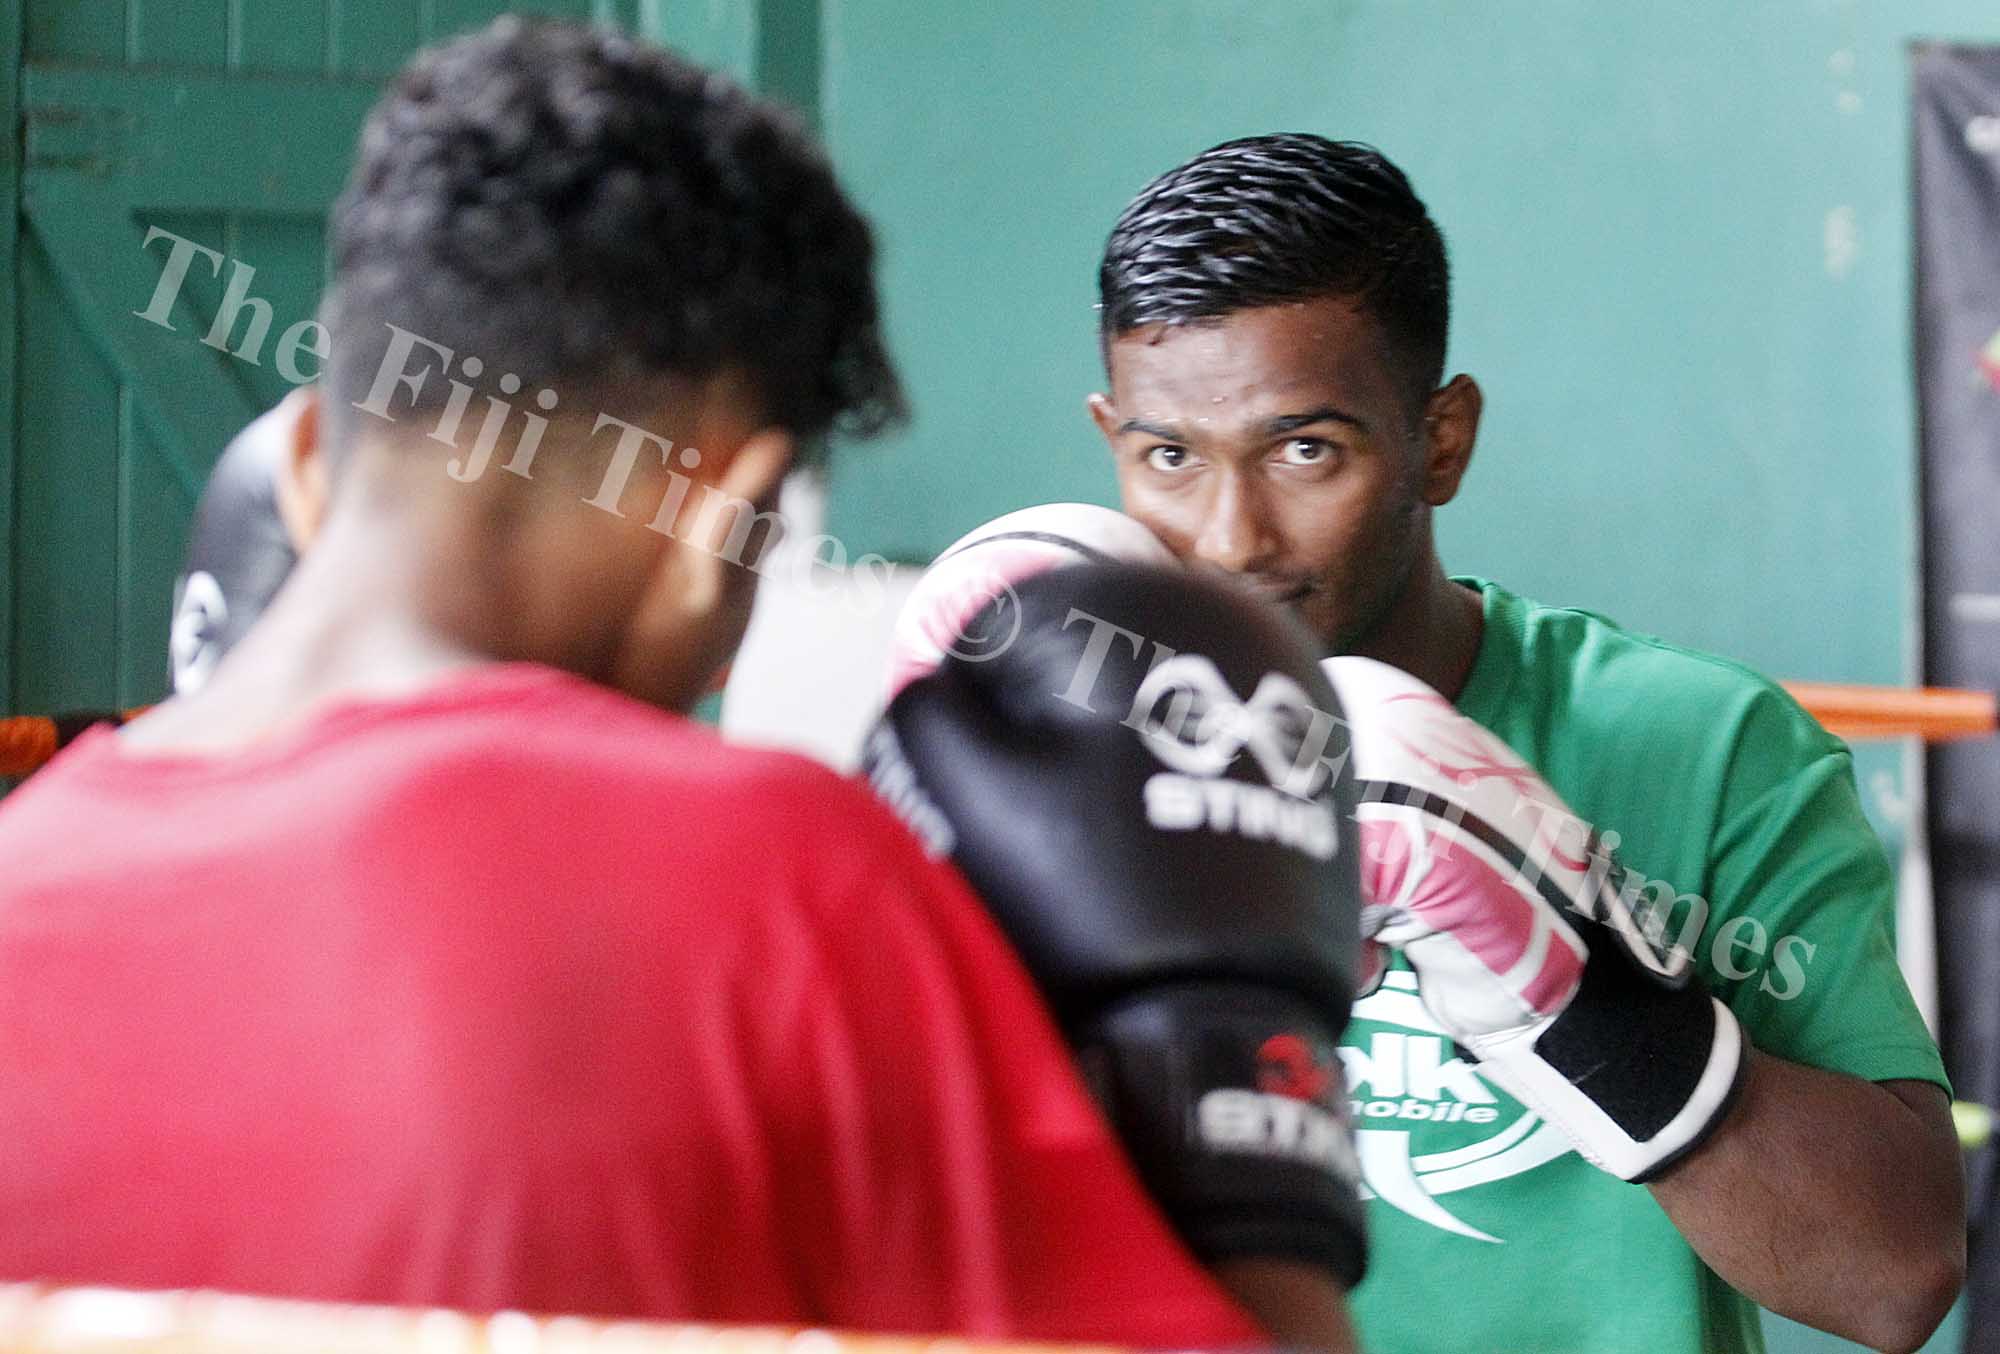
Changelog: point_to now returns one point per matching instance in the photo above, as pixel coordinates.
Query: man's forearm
(1301, 1306)
(1831, 1200)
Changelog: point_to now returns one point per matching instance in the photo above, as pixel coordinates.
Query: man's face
(1277, 445)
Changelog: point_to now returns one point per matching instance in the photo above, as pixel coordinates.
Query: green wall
(1680, 237)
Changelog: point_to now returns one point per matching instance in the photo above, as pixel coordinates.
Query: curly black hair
(578, 208)
(1268, 220)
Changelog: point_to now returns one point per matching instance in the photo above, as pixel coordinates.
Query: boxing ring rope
(39, 1320)
(27, 742)
(1934, 714)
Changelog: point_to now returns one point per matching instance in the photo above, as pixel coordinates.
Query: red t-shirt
(522, 994)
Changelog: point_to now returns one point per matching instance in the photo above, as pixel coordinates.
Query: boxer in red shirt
(424, 955)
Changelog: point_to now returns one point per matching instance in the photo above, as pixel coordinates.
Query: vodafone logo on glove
(1190, 718)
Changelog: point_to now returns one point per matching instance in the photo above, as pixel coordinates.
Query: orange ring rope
(27, 742)
(1934, 714)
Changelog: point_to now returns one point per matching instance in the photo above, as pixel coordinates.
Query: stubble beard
(1361, 633)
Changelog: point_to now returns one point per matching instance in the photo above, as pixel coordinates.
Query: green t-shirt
(1487, 1233)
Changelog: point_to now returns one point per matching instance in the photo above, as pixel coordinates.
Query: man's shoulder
(770, 805)
(514, 752)
(554, 725)
(1598, 676)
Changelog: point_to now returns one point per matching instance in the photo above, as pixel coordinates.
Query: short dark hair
(579, 207)
(1269, 220)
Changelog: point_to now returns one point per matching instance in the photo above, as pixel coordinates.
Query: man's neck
(1432, 632)
(346, 626)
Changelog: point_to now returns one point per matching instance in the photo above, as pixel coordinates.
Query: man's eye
(1308, 451)
(1168, 458)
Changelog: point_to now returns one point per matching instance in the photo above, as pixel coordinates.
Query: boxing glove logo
(1288, 1064)
(199, 616)
(1191, 720)
(1290, 1107)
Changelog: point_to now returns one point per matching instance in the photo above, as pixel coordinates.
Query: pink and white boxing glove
(986, 562)
(1509, 909)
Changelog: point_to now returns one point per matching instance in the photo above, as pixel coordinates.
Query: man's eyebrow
(1326, 413)
(1277, 427)
(1166, 432)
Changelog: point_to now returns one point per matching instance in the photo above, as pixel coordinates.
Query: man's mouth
(1276, 591)
(1288, 593)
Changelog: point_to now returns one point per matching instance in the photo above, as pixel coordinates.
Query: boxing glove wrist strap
(1232, 1105)
(1635, 1076)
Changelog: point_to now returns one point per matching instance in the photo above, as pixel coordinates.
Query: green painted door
(220, 129)
(224, 124)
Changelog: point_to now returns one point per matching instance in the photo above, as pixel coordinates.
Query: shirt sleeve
(950, 1170)
(1800, 946)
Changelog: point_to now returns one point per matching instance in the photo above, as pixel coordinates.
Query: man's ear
(302, 489)
(1105, 415)
(750, 475)
(1451, 426)
(758, 467)
(690, 615)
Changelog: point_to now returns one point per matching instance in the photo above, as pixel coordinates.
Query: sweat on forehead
(1269, 371)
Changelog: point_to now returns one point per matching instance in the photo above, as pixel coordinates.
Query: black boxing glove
(239, 552)
(1147, 786)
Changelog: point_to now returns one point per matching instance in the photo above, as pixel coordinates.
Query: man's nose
(1237, 534)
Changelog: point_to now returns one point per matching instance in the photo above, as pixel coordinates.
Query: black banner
(1957, 122)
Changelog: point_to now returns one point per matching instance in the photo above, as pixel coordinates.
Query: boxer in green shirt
(1273, 321)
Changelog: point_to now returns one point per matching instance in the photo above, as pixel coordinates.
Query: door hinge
(78, 139)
